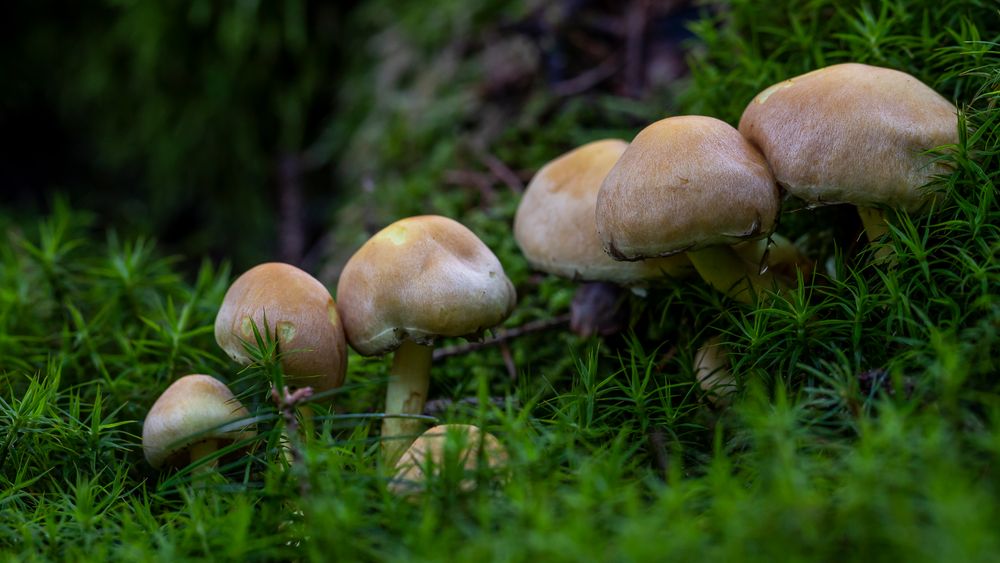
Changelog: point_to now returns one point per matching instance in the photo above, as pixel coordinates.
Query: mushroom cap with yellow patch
(685, 183)
(555, 223)
(300, 313)
(431, 452)
(852, 133)
(194, 408)
(418, 279)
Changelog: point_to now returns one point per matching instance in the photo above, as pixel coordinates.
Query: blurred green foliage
(170, 118)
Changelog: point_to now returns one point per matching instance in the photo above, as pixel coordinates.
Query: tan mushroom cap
(191, 410)
(685, 183)
(418, 279)
(429, 450)
(300, 313)
(852, 133)
(555, 228)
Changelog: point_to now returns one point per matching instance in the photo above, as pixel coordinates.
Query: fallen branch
(501, 335)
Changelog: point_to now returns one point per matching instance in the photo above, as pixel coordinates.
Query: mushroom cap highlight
(852, 133)
(420, 278)
(685, 183)
(191, 410)
(432, 450)
(301, 315)
(555, 226)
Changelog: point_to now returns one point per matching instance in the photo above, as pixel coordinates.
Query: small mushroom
(454, 451)
(690, 184)
(416, 280)
(554, 224)
(301, 315)
(190, 420)
(712, 370)
(554, 227)
(853, 133)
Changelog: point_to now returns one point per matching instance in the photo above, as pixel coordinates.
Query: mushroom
(301, 315)
(450, 450)
(690, 184)
(711, 370)
(853, 133)
(554, 227)
(416, 280)
(190, 419)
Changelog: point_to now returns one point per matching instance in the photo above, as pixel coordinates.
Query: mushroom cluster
(687, 194)
(695, 186)
(418, 279)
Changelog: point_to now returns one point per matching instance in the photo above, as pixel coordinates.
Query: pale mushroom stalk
(722, 268)
(409, 380)
(201, 450)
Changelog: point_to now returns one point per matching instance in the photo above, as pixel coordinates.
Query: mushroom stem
(875, 227)
(722, 268)
(204, 448)
(874, 221)
(409, 380)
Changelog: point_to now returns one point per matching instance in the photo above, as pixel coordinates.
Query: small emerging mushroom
(712, 370)
(455, 451)
(416, 280)
(301, 315)
(853, 133)
(190, 420)
(690, 184)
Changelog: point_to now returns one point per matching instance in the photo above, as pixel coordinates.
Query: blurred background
(249, 131)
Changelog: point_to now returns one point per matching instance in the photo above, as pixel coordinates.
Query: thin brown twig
(503, 172)
(501, 335)
(587, 79)
(286, 402)
(508, 361)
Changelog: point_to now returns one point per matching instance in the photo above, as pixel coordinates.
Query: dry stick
(286, 403)
(586, 80)
(503, 172)
(501, 335)
(437, 407)
(482, 181)
(508, 361)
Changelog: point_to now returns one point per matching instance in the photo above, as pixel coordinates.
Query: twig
(483, 182)
(286, 402)
(503, 172)
(508, 361)
(501, 335)
(658, 445)
(436, 407)
(587, 79)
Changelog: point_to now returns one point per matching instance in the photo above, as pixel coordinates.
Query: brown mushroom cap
(685, 183)
(430, 451)
(300, 313)
(555, 228)
(851, 133)
(418, 279)
(191, 410)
